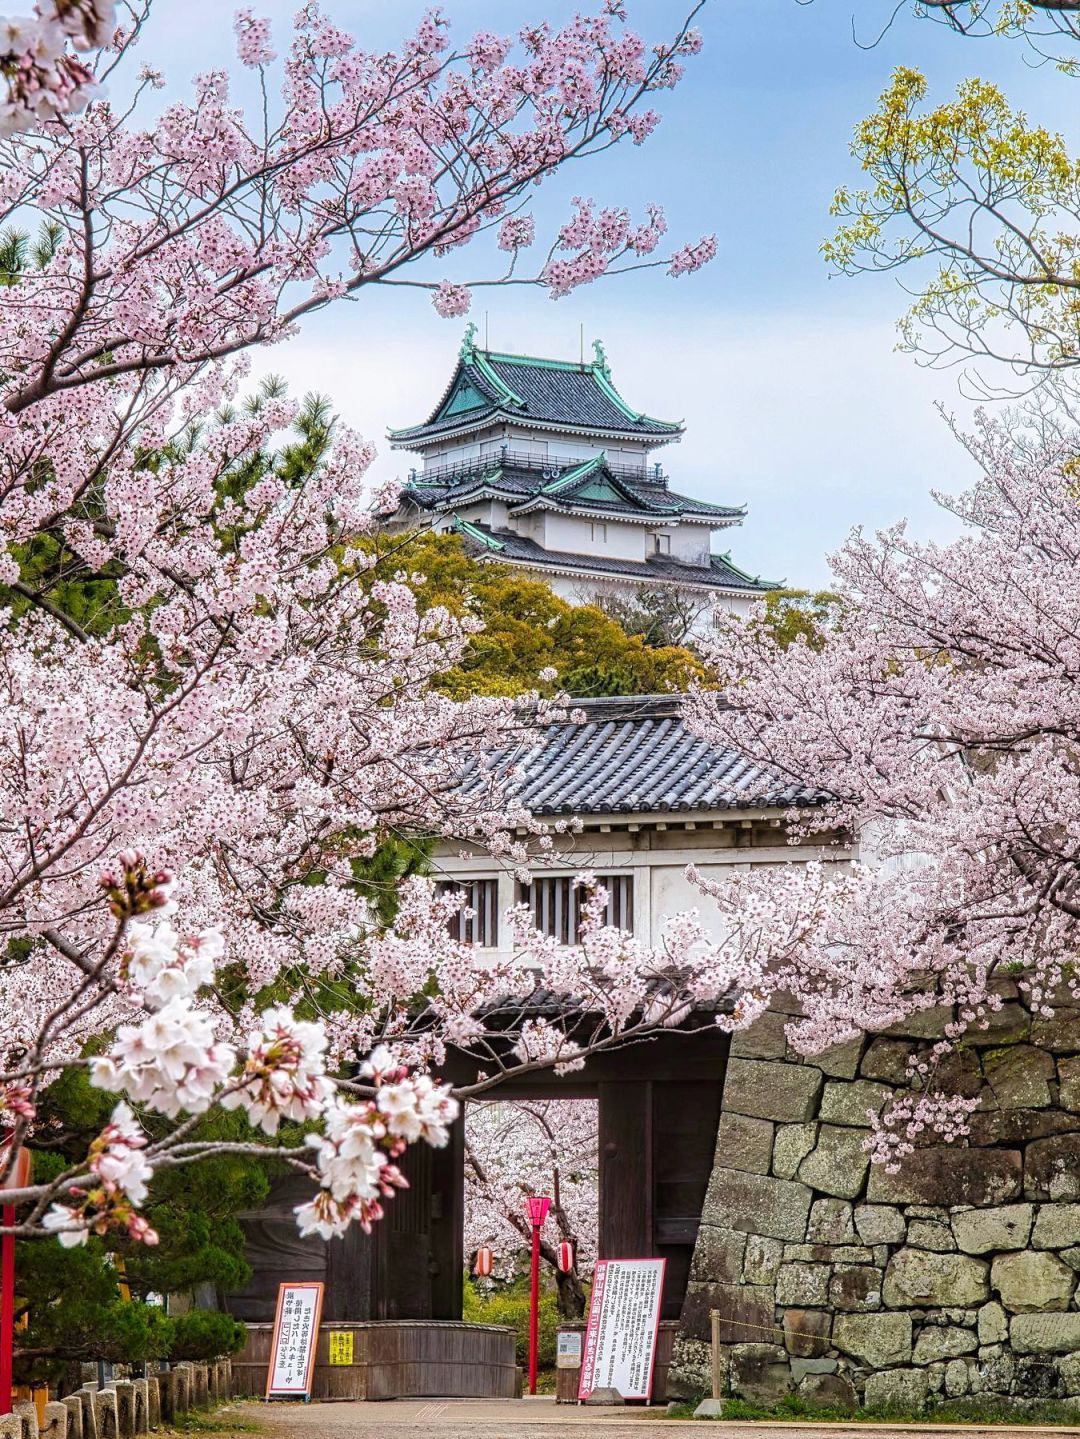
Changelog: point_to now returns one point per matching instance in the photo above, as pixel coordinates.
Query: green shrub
(509, 1304)
(206, 1334)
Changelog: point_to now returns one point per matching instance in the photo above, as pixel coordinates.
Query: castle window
(599, 533)
(481, 896)
(662, 544)
(555, 904)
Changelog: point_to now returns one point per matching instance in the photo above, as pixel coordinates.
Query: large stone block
(840, 1062)
(745, 1312)
(830, 1222)
(718, 1255)
(838, 1163)
(951, 1177)
(766, 1038)
(921, 1278)
(855, 1103)
(1052, 1167)
(760, 1373)
(12, 1426)
(993, 1324)
(803, 1285)
(1057, 1227)
(877, 1340)
(1032, 1279)
(793, 1143)
(758, 1204)
(1045, 1333)
(787, 1093)
(855, 1287)
(828, 1391)
(900, 1390)
(1020, 1076)
(1018, 1126)
(744, 1143)
(945, 1341)
(1069, 1083)
(925, 1024)
(886, 1060)
(1060, 1033)
(806, 1334)
(762, 1260)
(931, 1233)
(979, 1231)
(880, 1224)
(1011, 1024)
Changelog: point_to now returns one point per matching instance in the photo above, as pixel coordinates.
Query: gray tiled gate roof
(637, 755)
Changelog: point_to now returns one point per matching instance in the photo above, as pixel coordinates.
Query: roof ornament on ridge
(600, 359)
(467, 353)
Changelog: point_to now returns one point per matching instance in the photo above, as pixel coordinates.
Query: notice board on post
(296, 1333)
(624, 1319)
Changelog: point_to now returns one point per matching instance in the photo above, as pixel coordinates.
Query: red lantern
(485, 1262)
(536, 1207)
(566, 1257)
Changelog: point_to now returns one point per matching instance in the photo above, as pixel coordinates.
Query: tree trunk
(571, 1294)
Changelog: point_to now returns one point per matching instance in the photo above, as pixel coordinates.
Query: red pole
(7, 1308)
(534, 1308)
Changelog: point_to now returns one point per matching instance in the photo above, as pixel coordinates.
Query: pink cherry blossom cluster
(939, 709)
(117, 1162)
(354, 1156)
(43, 78)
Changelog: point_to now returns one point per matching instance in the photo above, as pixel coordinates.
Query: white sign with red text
(296, 1331)
(624, 1319)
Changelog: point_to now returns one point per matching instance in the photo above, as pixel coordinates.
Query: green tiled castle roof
(489, 387)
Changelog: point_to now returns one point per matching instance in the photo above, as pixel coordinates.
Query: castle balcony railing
(549, 465)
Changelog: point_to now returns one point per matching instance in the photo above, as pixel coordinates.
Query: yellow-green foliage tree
(527, 628)
(982, 199)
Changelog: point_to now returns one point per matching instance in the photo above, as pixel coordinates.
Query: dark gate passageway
(659, 1107)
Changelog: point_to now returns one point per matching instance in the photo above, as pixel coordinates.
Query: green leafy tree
(528, 628)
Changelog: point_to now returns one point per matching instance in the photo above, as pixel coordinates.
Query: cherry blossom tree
(939, 710)
(514, 1148)
(212, 707)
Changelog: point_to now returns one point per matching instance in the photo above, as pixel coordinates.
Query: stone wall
(956, 1276)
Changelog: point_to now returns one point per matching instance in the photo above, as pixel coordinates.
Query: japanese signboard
(341, 1346)
(292, 1351)
(624, 1317)
(568, 1351)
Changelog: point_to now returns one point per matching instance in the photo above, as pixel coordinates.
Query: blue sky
(795, 400)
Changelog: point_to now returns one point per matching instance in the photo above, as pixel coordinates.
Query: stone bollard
(174, 1394)
(213, 1382)
(73, 1404)
(200, 1398)
(153, 1402)
(57, 1421)
(105, 1412)
(141, 1390)
(85, 1397)
(28, 1410)
(125, 1408)
(11, 1426)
